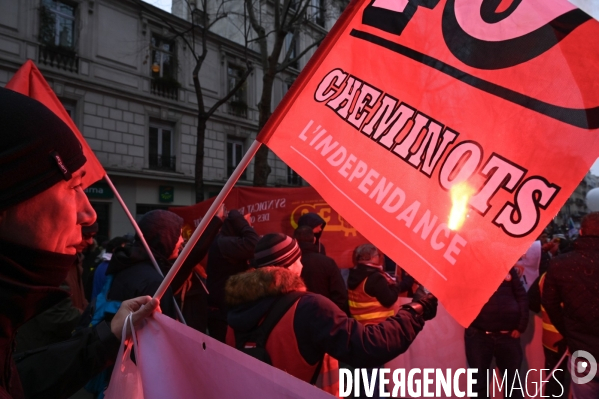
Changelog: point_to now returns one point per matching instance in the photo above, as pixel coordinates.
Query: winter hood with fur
(249, 295)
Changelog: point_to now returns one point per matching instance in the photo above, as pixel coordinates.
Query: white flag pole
(142, 239)
(245, 161)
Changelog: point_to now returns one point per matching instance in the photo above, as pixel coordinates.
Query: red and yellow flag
(448, 132)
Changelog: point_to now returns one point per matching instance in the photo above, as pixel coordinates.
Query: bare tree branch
(246, 74)
(284, 65)
(260, 31)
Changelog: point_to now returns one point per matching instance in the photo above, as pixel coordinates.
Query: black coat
(59, 370)
(135, 275)
(28, 281)
(193, 298)
(507, 309)
(228, 255)
(573, 280)
(322, 276)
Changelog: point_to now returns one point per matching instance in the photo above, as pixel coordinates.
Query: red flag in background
(277, 210)
(29, 81)
(448, 132)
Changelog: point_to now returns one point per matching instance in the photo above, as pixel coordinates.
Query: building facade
(576, 207)
(126, 81)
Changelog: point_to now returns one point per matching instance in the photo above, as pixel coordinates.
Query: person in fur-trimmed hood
(313, 326)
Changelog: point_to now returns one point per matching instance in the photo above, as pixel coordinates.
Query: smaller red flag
(29, 81)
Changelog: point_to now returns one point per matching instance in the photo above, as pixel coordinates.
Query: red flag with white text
(448, 132)
(29, 81)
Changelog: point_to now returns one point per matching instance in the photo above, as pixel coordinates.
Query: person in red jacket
(313, 326)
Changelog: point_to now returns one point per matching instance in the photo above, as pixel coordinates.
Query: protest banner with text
(449, 133)
(278, 210)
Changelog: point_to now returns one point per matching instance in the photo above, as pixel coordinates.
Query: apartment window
(57, 24)
(293, 179)
(238, 102)
(163, 67)
(235, 151)
(318, 9)
(57, 35)
(161, 154)
(70, 106)
(291, 48)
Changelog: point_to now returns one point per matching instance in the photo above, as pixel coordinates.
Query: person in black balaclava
(229, 254)
(317, 224)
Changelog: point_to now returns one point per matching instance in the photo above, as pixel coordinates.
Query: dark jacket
(376, 284)
(320, 326)
(54, 325)
(134, 273)
(228, 255)
(507, 309)
(190, 290)
(322, 276)
(61, 369)
(314, 220)
(573, 279)
(28, 281)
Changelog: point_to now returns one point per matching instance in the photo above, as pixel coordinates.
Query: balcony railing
(237, 108)
(168, 88)
(159, 162)
(59, 57)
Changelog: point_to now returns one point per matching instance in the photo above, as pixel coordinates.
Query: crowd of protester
(278, 298)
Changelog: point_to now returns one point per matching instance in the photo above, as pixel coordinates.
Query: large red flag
(29, 81)
(448, 132)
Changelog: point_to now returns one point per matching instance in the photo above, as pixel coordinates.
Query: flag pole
(142, 239)
(245, 161)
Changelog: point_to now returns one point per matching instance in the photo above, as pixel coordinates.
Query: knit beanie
(37, 149)
(276, 249)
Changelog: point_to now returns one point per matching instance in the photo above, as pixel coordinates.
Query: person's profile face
(52, 220)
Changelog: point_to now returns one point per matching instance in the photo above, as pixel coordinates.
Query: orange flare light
(460, 195)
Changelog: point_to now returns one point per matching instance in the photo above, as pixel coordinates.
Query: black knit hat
(37, 149)
(276, 249)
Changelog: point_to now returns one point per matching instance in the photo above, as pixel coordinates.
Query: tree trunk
(199, 166)
(261, 167)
